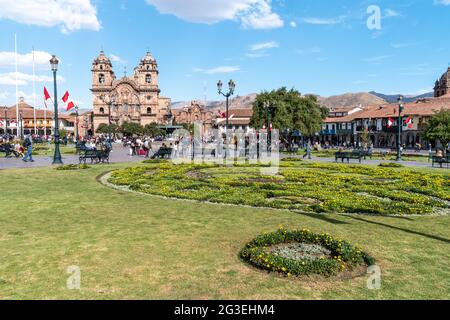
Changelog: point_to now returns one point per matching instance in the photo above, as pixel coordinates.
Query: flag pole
(17, 86)
(45, 120)
(34, 93)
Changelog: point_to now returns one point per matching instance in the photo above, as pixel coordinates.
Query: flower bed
(301, 252)
(307, 187)
(71, 167)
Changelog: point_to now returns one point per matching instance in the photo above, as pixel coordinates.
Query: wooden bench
(441, 161)
(9, 151)
(357, 155)
(163, 153)
(96, 156)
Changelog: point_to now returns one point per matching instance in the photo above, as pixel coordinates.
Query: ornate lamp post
(400, 127)
(76, 124)
(269, 110)
(6, 124)
(231, 88)
(57, 159)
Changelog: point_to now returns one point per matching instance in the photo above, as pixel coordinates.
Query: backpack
(27, 142)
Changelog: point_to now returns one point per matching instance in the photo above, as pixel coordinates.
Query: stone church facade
(442, 86)
(136, 98)
(193, 113)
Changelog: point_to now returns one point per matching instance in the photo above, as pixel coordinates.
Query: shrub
(70, 167)
(390, 165)
(342, 255)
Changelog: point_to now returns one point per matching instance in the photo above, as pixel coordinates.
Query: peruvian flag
(391, 122)
(65, 98)
(409, 123)
(222, 114)
(46, 94)
(70, 106)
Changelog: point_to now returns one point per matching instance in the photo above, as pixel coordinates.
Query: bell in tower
(102, 72)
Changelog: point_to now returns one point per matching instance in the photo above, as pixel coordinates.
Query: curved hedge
(344, 256)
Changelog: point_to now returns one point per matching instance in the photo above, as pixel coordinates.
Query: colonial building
(132, 99)
(194, 112)
(374, 121)
(442, 86)
(239, 119)
(26, 124)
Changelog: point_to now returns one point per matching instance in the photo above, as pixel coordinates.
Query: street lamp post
(57, 159)
(269, 109)
(400, 125)
(76, 124)
(231, 88)
(6, 125)
(21, 125)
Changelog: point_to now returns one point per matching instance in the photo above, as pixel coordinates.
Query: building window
(101, 67)
(148, 78)
(148, 67)
(102, 110)
(101, 78)
(149, 110)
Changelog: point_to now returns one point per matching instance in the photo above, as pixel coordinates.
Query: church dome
(102, 58)
(148, 58)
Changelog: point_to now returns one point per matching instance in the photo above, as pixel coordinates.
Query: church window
(102, 110)
(101, 78)
(101, 67)
(148, 67)
(149, 110)
(148, 78)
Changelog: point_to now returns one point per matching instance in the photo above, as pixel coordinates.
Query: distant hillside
(347, 100)
(350, 100)
(391, 98)
(239, 102)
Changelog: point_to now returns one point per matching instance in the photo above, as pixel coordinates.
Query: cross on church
(125, 71)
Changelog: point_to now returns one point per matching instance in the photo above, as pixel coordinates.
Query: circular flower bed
(301, 252)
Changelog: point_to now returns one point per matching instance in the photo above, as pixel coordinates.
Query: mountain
(350, 100)
(239, 102)
(391, 98)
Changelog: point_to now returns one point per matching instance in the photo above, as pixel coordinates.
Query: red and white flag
(409, 123)
(70, 106)
(391, 122)
(46, 94)
(65, 97)
(222, 114)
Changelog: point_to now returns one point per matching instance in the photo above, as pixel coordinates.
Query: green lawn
(48, 150)
(133, 246)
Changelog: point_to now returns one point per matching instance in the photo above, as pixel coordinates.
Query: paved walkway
(118, 155)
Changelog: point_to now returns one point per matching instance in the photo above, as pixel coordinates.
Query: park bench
(9, 150)
(441, 161)
(163, 153)
(96, 156)
(357, 155)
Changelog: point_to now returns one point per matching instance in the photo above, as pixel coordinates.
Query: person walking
(308, 151)
(28, 144)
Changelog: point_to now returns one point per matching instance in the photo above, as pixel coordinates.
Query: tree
(131, 128)
(152, 130)
(438, 129)
(102, 128)
(290, 110)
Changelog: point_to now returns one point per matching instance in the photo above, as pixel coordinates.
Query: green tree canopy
(152, 130)
(131, 128)
(289, 110)
(439, 128)
(102, 128)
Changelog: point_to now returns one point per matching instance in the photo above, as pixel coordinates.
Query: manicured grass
(47, 150)
(144, 247)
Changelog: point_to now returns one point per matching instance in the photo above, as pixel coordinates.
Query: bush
(70, 167)
(342, 255)
(390, 165)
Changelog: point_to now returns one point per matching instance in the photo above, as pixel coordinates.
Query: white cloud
(307, 51)
(69, 15)
(264, 46)
(323, 21)
(391, 13)
(293, 24)
(375, 59)
(256, 55)
(253, 14)
(23, 79)
(444, 2)
(218, 70)
(117, 59)
(41, 58)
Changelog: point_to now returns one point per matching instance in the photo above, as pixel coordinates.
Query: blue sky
(317, 46)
